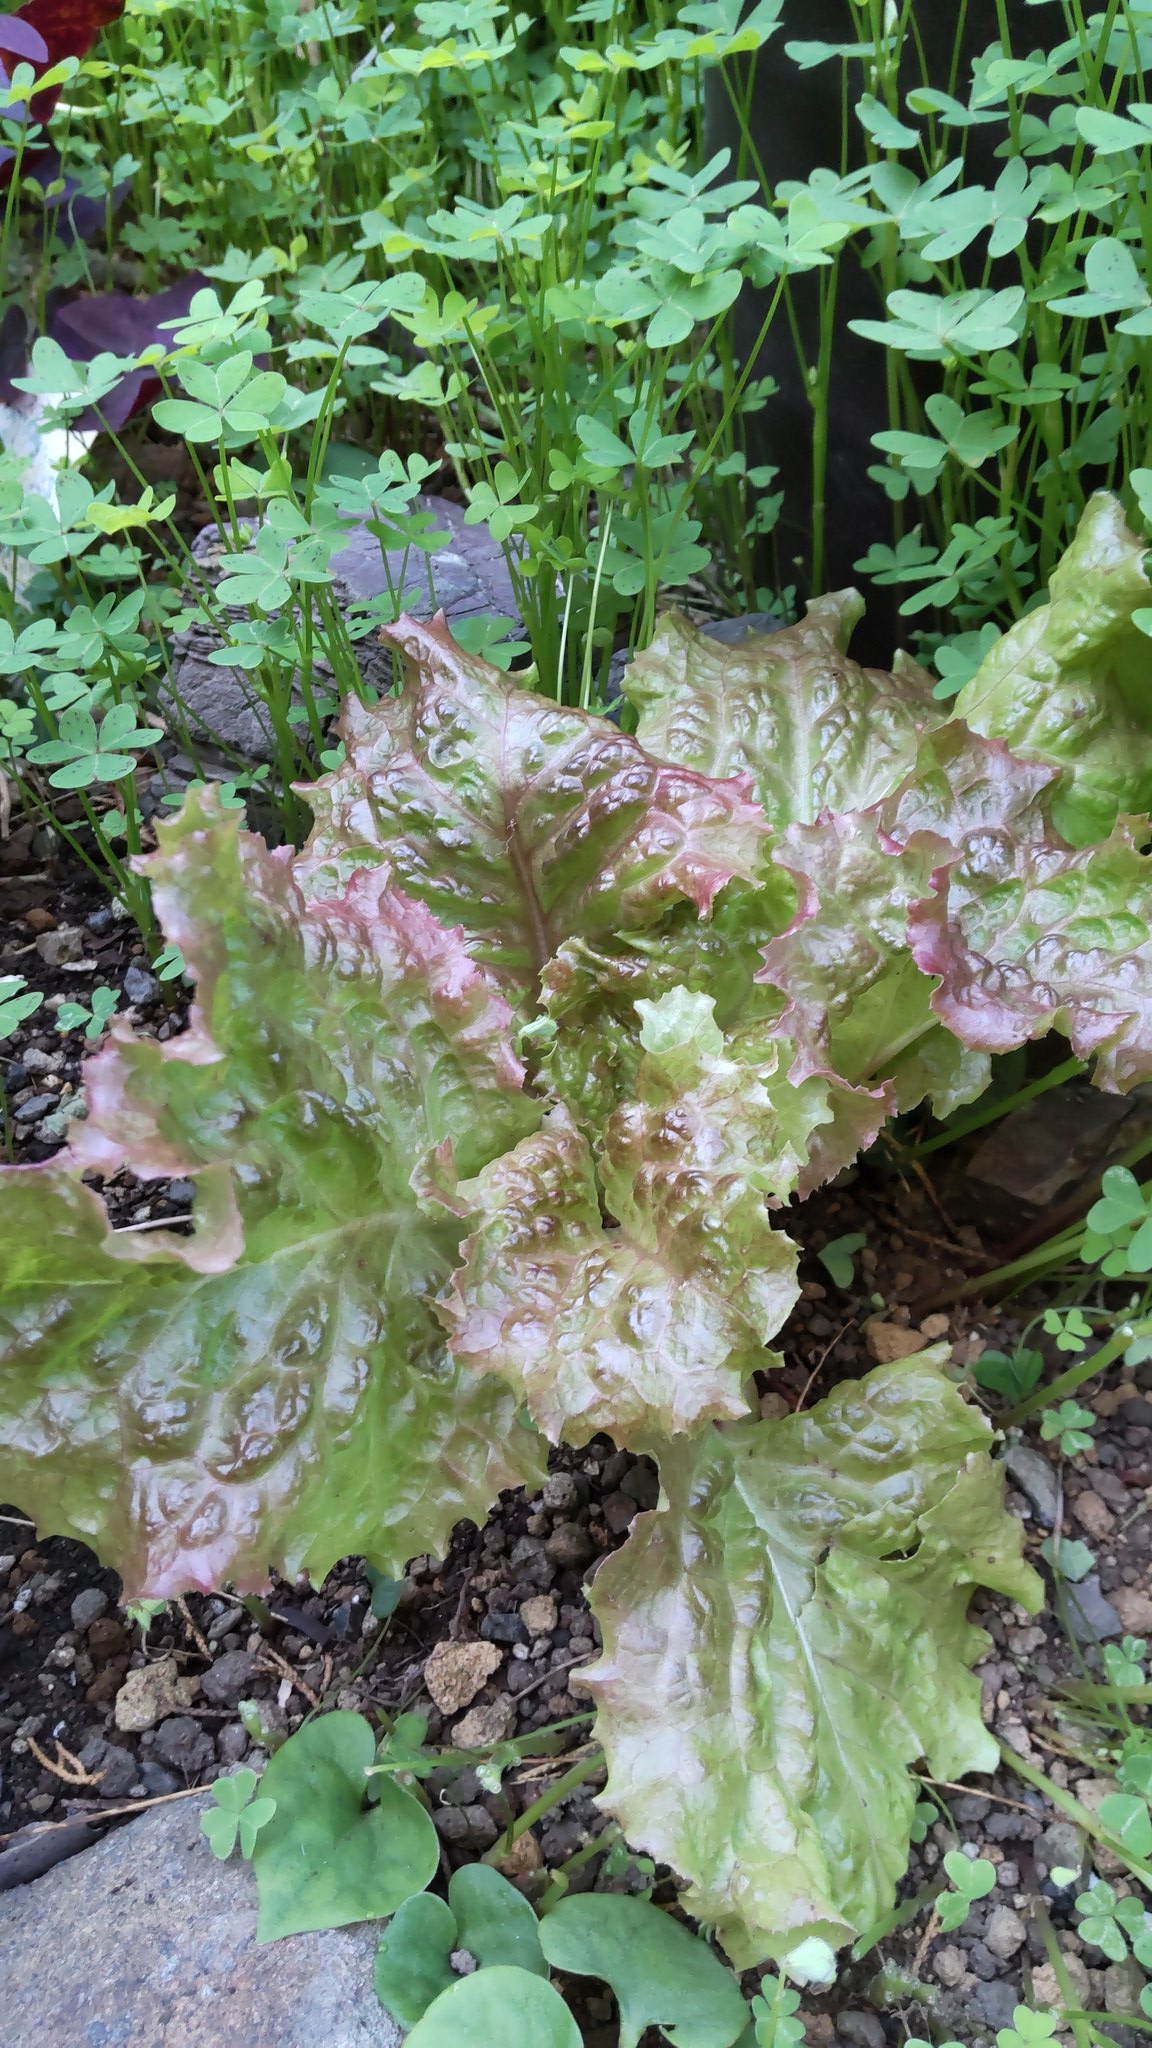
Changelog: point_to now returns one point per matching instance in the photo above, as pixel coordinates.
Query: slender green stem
(1001, 1107)
(1085, 1369)
(1071, 1808)
(547, 1800)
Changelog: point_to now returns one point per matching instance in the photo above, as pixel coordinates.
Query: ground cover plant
(549, 984)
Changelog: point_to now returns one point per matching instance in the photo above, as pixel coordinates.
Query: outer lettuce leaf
(786, 1635)
(1030, 937)
(652, 1327)
(813, 729)
(1071, 684)
(527, 823)
(858, 1005)
(274, 1390)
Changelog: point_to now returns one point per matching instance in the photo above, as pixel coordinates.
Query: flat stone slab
(147, 1941)
(466, 578)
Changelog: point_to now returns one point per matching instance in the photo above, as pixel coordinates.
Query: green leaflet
(325, 1859)
(485, 1915)
(274, 1389)
(651, 1327)
(525, 823)
(494, 2009)
(813, 729)
(1071, 684)
(662, 1974)
(786, 1635)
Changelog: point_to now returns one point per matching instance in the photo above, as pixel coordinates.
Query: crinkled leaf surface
(1026, 938)
(494, 2009)
(858, 1004)
(813, 729)
(274, 1390)
(785, 1635)
(524, 822)
(662, 1974)
(650, 1327)
(325, 1859)
(1071, 684)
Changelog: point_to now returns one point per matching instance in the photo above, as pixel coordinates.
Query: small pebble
(88, 1606)
(1005, 1932)
(140, 987)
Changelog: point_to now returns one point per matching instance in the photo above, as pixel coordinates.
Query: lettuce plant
(495, 1095)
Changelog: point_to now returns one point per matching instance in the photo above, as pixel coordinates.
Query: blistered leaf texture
(522, 821)
(1030, 938)
(275, 1389)
(1071, 684)
(813, 729)
(652, 1325)
(786, 1635)
(857, 1001)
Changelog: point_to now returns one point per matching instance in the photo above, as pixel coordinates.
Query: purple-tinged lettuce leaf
(786, 1635)
(969, 790)
(1071, 684)
(1027, 938)
(858, 1004)
(813, 729)
(526, 823)
(650, 1327)
(290, 1398)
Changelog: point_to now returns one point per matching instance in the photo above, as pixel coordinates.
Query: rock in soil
(456, 1672)
(146, 1941)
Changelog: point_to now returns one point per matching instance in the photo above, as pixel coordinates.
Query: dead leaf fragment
(889, 1341)
(149, 1695)
(455, 1673)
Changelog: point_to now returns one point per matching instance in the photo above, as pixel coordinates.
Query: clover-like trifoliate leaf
(786, 1635)
(523, 821)
(1071, 684)
(652, 1326)
(813, 729)
(859, 1006)
(275, 1389)
(1027, 938)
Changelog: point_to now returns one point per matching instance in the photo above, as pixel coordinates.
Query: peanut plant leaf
(663, 1975)
(275, 1389)
(813, 729)
(650, 1327)
(1027, 938)
(492, 2009)
(1071, 684)
(786, 1635)
(522, 821)
(325, 1859)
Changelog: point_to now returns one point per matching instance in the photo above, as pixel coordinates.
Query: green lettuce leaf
(1031, 937)
(650, 1327)
(274, 1390)
(1071, 684)
(524, 822)
(813, 729)
(786, 1635)
(858, 1004)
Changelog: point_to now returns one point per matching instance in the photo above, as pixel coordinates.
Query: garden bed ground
(505, 1612)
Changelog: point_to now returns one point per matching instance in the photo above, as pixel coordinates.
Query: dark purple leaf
(114, 323)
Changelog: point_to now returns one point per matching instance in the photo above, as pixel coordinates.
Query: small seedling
(71, 1016)
(972, 1878)
(1109, 1922)
(1069, 1326)
(1124, 1662)
(142, 1613)
(1070, 1426)
(839, 1258)
(236, 1816)
(169, 965)
(17, 1001)
(1013, 1376)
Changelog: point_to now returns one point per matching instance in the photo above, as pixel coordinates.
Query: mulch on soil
(69, 1656)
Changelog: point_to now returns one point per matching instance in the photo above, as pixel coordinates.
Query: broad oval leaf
(412, 1960)
(653, 1326)
(663, 1975)
(325, 1859)
(494, 1922)
(1071, 684)
(525, 822)
(275, 1389)
(785, 1635)
(494, 2008)
(813, 729)
(1027, 938)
